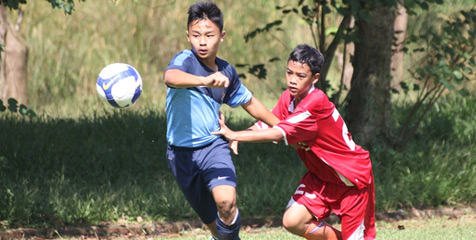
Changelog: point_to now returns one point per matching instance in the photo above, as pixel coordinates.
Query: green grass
(437, 228)
(111, 165)
(264, 233)
(87, 170)
(438, 165)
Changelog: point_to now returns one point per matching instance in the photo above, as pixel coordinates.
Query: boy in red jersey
(339, 177)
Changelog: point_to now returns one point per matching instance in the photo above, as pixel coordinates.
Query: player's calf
(320, 230)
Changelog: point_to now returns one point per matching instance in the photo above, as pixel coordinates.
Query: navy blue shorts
(198, 170)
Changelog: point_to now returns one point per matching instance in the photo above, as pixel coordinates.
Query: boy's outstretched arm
(259, 111)
(179, 79)
(256, 109)
(266, 135)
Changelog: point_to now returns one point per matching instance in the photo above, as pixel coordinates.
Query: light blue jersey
(192, 113)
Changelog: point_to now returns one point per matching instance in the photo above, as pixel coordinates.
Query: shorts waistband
(188, 148)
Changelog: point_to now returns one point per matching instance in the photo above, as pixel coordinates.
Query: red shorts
(355, 207)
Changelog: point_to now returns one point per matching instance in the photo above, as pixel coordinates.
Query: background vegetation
(81, 162)
(68, 51)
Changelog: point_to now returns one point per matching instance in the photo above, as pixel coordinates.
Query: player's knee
(226, 208)
(294, 223)
(290, 223)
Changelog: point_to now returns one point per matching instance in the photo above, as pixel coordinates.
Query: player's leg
(306, 210)
(298, 220)
(228, 221)
(225, 198)
(221, 177)
(184, 168)
(358, 214)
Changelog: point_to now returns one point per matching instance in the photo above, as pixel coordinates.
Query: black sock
(229, 232)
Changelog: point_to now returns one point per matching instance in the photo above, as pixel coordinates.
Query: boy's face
(299, 79)
(205, 37)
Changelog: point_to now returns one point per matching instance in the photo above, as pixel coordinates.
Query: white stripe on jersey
(261, 125)
(299, 117)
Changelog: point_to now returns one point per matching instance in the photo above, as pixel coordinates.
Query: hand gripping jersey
(192, 113)
(333, 155)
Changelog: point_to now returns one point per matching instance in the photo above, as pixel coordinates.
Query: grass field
(462, 227)
(81, 171)
(435, 228)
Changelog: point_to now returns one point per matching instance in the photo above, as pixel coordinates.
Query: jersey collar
(293, 101)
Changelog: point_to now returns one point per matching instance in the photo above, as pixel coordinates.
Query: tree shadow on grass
(81, 172)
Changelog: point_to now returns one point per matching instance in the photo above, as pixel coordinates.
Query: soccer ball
(119, 84)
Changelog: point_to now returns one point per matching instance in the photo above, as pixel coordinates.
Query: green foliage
(438, 166)
(413, 5)
(257, 70)
(14, 108)
(328, 34)
(447, 63)
(266, 28)
(66, 5)
(450, 52)
(15, 4)
(316, 16)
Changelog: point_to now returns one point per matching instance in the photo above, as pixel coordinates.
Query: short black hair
(308, 55)
(205, 10)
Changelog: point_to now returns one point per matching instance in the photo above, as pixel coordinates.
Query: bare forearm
(179, 79)
(257, 109)
(267, 135)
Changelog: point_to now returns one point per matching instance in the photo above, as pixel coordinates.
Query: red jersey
(333, 155)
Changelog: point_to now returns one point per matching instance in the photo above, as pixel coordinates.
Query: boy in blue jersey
(198, 83)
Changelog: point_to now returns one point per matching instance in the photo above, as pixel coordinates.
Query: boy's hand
(224, 130)
(233, 145)
(301, 145)
(216, 80)
(227, 133)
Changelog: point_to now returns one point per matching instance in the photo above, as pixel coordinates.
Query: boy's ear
(223, 33)
(315, 78)
(188, 38)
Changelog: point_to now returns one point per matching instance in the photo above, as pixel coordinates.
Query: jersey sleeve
(181, 61)
(240, 96)
(237, 93)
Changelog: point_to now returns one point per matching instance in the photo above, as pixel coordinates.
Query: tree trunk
(400, 28)
(369, 110)
(345, 65)
(14, 59)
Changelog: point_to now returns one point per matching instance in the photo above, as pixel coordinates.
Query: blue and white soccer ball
(119, 84)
